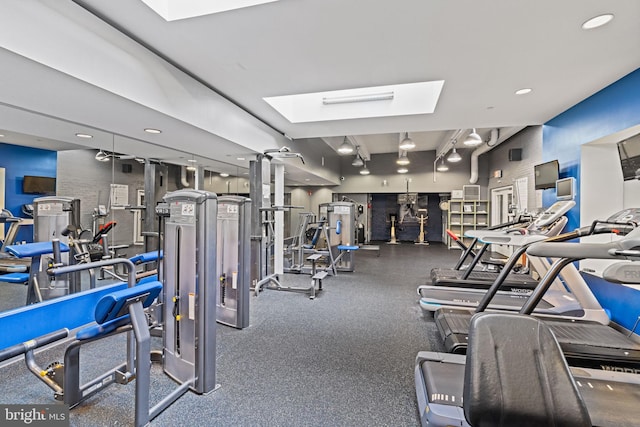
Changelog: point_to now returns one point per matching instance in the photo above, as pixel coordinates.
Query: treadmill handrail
(545, 283)
(502, 276)
(511, 262)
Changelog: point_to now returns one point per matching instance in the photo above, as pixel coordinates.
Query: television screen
(565, 188)
(546, 174)
(629, 151)
(39, 185)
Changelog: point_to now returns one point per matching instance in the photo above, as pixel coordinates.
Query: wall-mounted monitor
(39, 185)
(629, 151)
(566, 188)
(546, 174)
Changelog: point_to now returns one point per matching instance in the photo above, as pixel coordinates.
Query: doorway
(501, 201)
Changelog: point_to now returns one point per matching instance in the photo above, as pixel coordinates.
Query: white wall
(603, 191)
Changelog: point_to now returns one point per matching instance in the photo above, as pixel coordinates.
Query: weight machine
(341, 234)
(267, 222)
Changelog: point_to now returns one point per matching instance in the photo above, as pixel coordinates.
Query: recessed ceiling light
(84, 135)
(192, 161)
(307, 179)
(240, 158)
(374, 101)
(1, 135)
(152, 130)
(224, 174)
(523, 91)
(597, 21)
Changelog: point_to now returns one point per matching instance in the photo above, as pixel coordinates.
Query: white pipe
(492, 143)
(183, 177)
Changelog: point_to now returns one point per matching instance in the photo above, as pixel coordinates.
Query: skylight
(172, 10)
(366, 102)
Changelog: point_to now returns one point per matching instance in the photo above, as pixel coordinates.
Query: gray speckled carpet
(343, 359)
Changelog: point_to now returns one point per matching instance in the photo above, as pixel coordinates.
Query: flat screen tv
(629, 151)
(39, 185)
(565, 188)
(546, 174)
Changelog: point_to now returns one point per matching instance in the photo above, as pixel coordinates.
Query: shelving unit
(465, 215)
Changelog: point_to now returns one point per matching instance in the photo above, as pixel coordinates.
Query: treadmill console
(555, 211)
(625, 216)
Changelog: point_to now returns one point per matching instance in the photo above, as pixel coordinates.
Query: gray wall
(81, 176)
(385, 179)
(530, 141)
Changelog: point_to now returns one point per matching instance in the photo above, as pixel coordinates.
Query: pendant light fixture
(402, 169)
(442, 167)
(454, 157)
(345, 147)
(357, 160)
(407, 143)
(403, 160)
(473, 139)
(364, 170)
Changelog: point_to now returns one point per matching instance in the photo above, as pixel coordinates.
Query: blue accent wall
(614, 108)
(19, 161)
(620, 301)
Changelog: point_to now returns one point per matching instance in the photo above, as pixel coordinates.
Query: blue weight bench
(19, 278)
(116, 312)
(114, 309)
(35, 251)
(68, 312)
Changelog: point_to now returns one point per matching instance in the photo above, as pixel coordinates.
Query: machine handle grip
(452, 235)
(57, 257)
(338, 226)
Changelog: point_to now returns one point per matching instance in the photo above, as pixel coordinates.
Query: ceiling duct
(489, 145)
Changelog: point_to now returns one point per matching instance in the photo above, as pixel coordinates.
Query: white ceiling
(484, 50)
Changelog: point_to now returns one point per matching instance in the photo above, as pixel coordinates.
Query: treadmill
(547, 223)
(557, 301)
(585, 343)
(515, 374)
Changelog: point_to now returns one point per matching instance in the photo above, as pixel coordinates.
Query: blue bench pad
(110, 305)
(348, 248)
(15, 277)
(148, 279)
(34, 249)
(103, 329)
(69, 311)
(145, 257)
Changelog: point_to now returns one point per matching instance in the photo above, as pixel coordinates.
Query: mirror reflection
(99, 202)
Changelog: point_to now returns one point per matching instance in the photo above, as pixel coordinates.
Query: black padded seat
(516, 375)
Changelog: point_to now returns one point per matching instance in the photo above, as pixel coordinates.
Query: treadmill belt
(610, 403)
(590, 334)
(443, 382)
(457, 322)
(443, 275)
(471, 298)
